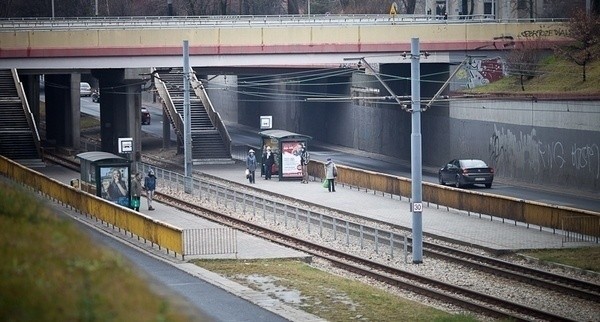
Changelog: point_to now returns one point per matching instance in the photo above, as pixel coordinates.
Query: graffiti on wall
(481, 72)
(516, 154)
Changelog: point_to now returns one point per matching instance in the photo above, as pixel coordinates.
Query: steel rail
(475, 301)
(353, 263)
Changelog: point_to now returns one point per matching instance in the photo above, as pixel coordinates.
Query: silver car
(85, 89)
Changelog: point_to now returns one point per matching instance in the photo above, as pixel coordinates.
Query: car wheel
(441, 180)
(457, 183)
(488, 185)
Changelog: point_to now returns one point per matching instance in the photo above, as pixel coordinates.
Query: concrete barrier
(515, 209)
(154, 231)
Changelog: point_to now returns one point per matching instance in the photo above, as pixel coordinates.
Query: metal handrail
(11, 24)
(27, 111)
(174, 116)
(214, 116)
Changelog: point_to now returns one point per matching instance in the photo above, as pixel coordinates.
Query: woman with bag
(136, 191)
(330, 174)
(251, 166)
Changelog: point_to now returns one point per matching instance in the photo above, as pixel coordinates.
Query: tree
(523, 60)
(584, 46)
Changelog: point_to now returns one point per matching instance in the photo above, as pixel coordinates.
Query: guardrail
(249, 21)
(220, 197)
(154, 231)
(507, 208)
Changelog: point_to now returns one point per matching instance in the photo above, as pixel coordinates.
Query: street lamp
(416, 205)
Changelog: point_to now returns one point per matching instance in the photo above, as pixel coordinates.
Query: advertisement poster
(115, 184)
(290, 159)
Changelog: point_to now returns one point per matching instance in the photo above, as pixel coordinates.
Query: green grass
(51, 271)
(328, 296)
(556, 76)
(587, 258)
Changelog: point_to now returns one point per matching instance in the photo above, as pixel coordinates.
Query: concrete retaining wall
(531, 141)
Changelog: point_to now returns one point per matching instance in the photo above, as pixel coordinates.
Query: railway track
(462, 297)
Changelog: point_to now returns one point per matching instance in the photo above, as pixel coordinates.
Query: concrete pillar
(63, 110)
(120, 104)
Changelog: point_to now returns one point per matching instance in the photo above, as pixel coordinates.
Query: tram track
(462, 297)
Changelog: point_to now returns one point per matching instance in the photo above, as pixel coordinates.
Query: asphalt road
(242, 135)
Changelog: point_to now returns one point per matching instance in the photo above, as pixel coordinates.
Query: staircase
(209, 143)
(19, 139)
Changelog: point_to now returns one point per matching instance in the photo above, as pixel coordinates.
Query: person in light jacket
(136, 191)
(330, 174)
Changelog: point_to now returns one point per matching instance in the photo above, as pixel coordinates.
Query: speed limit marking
(416, 207)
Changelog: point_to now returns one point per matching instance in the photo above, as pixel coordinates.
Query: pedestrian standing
(136, 191)
(251, 166)
(269, 161)
(150, 186)
(304, 160)
(330, 174)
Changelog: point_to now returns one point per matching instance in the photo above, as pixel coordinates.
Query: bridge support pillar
(63, 109)
(120, 104)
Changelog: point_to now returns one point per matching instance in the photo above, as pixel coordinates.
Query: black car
(145, 116)
(463, 172)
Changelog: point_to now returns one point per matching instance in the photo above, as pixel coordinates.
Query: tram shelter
(107, 175)
(286, 147)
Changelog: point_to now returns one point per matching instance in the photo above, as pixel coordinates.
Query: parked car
(85, 89)
(463, 172)
(145, 116)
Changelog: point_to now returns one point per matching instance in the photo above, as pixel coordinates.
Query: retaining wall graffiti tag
(515, 154)
(584, 157)
(544, 33)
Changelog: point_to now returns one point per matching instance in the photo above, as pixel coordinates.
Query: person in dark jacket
(304, 160)
(269, 160)
(150, 186)
(251, 166)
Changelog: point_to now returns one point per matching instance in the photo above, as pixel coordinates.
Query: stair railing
(174, 116)
(27, 111)
(214, 116)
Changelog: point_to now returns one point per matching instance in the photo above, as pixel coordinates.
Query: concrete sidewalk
(441, 222)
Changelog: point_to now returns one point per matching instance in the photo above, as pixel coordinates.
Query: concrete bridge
(286, 41)
(120, 51)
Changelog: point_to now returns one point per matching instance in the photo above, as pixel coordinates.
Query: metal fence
(209, 241)
(572, 226)
(332, 230)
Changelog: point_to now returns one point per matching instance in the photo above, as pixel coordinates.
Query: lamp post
(416, 204)
(187, 122)
(170, 7)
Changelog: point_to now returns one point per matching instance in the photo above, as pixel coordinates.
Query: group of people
(136, 189)
(252, 164)
(269, 160)
(117, 189)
